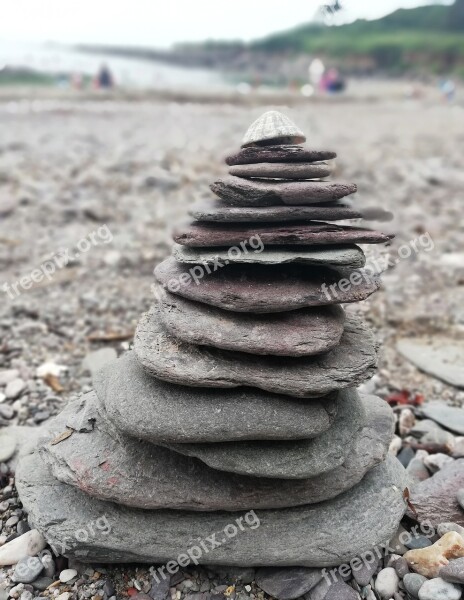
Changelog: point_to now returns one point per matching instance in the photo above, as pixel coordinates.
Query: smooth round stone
(27, 570)
(303, 332)
(413, 583)
(176, 413)
(349, 256)
(312, 234)
(282, 170)
(163, 479)
(416, 543)
(294, 459)
(328, 534)
(386, 583)
(235, 191)
(438, 589)
(289, 153)
(67, 575)
(163, 356)
(265, 289)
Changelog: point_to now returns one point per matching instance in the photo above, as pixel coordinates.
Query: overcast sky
(161, 23)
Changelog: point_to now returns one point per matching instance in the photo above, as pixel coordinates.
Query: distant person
(332, 82)
(316, 71)
(104, 78)
(448, 89)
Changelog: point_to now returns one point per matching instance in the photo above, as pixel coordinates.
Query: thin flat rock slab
(265, 288)
(434, 499)
(325, 534)
(438, 356)
(235, 191)
(309, 234)
(290, 153)
(330, 211)
(147, 408)
(303, 332)
(292, 459)
(163, 356)
(282, 170)
(348, 256)
(450, 417)
(109, 466)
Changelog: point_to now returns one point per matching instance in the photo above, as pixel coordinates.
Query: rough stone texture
(413, 583)
(303, 332)
(292, 459)
(264, 289)
(348, 365)
(176, 413)
(454, 571)
(438, 589)
(435, 499)
(102, 462)
(282, 170)
(311, 234)
(287, 584)
(347, 255)
(439, 356)
(341, 591)
(275, 154)
(450, 417)
(235, 191)
(293, 536)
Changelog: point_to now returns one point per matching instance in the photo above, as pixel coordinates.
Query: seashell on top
(273, 127)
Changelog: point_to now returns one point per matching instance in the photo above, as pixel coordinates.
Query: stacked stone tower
(236, 418)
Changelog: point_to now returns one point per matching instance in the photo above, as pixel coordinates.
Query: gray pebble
(413, 582)
(401, 567)
(27, 570)
(460, 497)
(439, 589)
(416, 543)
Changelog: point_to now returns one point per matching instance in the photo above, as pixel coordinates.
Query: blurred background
(119, 115)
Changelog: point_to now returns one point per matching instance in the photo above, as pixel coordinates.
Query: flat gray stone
(290, 459)
(450, 417)
(317, 170)
(329, 211)
(349, 256)
(287, 583)
(439, 356)
(163, 356)
(27, 570)
(204, 235)
(303, 332)
(235, 191)
(320, 535)
(453, 571)
(177, 413)
(265, 288)
(112, 467)
(291, 153)
(341, 591)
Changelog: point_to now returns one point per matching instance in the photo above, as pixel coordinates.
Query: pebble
(417, 470)
(11, 522)
(27, 570)
(15, 388)
(8, 375)
(412, 583)
(454, 571)
(395, 445)
(406, 421)
(387, 583)
(428, 561)
(64, 596)
(67, 575)
(341, 591)
(443, 528)
(460, 497)
(6, 411)
(8, 444)
(364, 574)
(438, 589)
(458, 449)
(42, 583)
(28, 544)
(405, 456)
(401, 567)
(416, 543)
(435, 462)
(49, 565)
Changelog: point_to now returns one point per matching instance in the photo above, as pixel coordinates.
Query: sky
(160, 24)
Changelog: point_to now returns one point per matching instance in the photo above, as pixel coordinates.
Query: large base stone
(323, 534)
(265, 289)
(303, 332)
(290, 459)
(235, 191)
(150, 409)
(112, 467)
(349, 256)
(306, 234)
(169, 359)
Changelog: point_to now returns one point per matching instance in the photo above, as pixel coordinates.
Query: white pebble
(439, 589)
(395, 445)
(67, 575)
(28, 544)
(435, 462)
(387, 583)
(15, 388)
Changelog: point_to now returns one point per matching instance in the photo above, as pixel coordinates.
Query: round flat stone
(326, 534)
(290, 153)
(330, 211)
(177, 413)
(310, 234)
(301, 332)
(282, 170)
(290, 459)
(347, 256)
(236, 191)
(105, 467)
(163, 356)
(264, 288)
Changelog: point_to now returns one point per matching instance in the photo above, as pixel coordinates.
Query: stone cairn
(233, 433)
